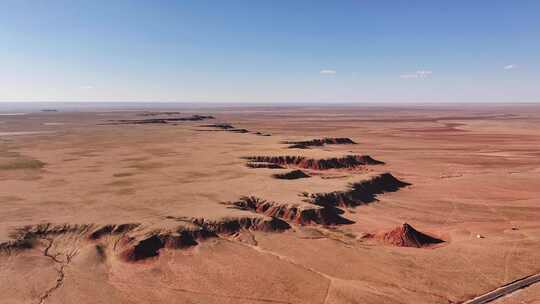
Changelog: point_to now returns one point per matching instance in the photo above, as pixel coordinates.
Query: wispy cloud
(424, 73)
(328, 72)
(417, 74)
(510, 67)
(86, 87)
(408, 76)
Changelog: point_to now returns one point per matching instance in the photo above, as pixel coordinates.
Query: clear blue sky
(270, 51)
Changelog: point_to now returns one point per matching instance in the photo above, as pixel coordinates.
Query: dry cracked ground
(269, 204)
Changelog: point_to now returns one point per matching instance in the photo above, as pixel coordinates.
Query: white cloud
(423, 73)
(328, 72)
(417, 74)
(510, 67)
(87, 87)
(408, 76)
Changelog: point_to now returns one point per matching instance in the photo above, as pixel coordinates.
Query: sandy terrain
(139, 207)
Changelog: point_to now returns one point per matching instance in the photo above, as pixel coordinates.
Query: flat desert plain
(305, 204)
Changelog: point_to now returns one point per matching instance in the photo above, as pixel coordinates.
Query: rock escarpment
(322, 208)
(164, 120)
(301, 214)
(230, 128)
(345, 162)
(295, 174)
(255, 165)
(159, 113)
(359, 193)
(147, 244)
(28, 237)
(136, 242)
(319, 142)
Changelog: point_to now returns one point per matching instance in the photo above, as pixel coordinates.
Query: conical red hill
(407, 236)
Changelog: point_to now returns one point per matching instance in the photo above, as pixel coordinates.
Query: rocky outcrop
(230, 128)
(135, 242)
(222, 126)
(165, 113)
(262, 134)
(295, 174)
(347, 162)
(299, 214)
(319, 142)
(160, 120)
(111, 230)
(322, 208)
(359, 193)
(255, 165)
(190, 232)
(145, 248)
(239, 130)
(27, 237)
(20, 244)
(140, 247)
(407, 236)
(234, 224)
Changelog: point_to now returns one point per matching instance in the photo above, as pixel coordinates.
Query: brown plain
(69, 194)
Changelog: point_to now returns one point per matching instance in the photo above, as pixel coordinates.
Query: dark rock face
(27, 237)
(185, 237)
(159, 113)
(105, 230)
(145, 249)
(264, 165)
(295, 174)
(320, 142)
(239, 130)
(407, 236)
(149, 246)
(233, 225)
(362, 192)
(111, 230)
(230, 128)
(134, 242)
(223, 126)
(302, 215)
(349, 161)
(160, 120)
(323, 208)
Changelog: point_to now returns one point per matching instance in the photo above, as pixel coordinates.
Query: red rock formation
(319, 142)
(134, 242)
(158, 113)
(27, 237)
(264, 165)
(349, 161)
(407, 236)
(295, 174)
(191, 231)
(160, 120)
(235, 224)
(149, 245)
(230, 128)
(298, 214)
(359, 193)
(111, 230)
(222, 126)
